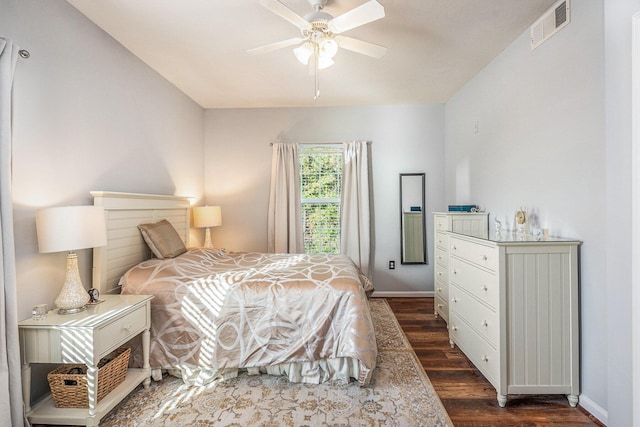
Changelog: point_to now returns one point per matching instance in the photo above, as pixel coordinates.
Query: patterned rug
(400, 394)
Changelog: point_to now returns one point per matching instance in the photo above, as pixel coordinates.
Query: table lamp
(207, 216)
(71, 228)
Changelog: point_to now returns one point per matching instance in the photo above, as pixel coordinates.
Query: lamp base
(71, 310)
(73, 297)
(207, 239)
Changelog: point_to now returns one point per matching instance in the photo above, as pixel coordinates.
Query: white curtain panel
(285, 217)
(355, 226)
(11, 404)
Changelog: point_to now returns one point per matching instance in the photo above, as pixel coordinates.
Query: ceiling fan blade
(363, 14)
(284, 12)
(277, 45)
(360, 46)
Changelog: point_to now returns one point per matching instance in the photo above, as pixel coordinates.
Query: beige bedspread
(303, 316)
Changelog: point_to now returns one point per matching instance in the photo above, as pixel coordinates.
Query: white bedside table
(85, 337)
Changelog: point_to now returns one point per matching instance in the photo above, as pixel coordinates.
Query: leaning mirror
(412, 220)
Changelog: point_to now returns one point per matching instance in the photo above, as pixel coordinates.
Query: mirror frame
(424, 231)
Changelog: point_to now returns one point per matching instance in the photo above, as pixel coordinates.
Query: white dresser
(471, 224)
(514, 312)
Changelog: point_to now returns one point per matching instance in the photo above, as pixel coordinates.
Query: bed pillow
(163, 240)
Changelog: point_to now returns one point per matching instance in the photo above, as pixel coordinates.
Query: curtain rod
(314, 143)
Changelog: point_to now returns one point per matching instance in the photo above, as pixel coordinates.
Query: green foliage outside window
(321, 183)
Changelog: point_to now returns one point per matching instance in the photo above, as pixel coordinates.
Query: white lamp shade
(70, 228)
(207, 216)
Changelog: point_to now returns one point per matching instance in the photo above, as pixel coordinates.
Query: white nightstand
(85, 338)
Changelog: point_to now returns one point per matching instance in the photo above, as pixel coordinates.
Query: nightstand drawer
(121, 330)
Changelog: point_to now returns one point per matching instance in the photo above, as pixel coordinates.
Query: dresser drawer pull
(454, 248)
(454, 300)
(485, 358)
(439, 305)
(454, 328)
(484, 288)
(484, 257)
(128, 327)
(439, 273)
(439, 289)
(454, 272)
(485, 323)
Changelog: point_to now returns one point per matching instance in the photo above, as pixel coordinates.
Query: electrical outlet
(392, 265)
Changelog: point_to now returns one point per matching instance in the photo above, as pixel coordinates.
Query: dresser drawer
(442, 241)
(442, 290)
(121, 330)
(475, 253)
(441, 307)
(479, 316)
(441, 222)
(480, 283)
(441, 273)
(442, 258)
(483, 355)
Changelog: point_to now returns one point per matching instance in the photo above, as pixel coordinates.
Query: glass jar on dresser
(468, 223)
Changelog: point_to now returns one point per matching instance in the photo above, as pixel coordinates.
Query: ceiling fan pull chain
(316, 73)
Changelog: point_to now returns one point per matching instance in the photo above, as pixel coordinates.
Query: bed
(216, 313)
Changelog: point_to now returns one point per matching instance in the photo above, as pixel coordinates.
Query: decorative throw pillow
(163, 240)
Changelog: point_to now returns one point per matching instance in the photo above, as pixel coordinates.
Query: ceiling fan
(322, 33)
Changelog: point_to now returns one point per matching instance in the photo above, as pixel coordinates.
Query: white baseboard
(594, 409)
(407, 294)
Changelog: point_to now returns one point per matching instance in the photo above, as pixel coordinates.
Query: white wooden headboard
(125, 245)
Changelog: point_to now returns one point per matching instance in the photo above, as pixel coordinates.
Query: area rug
(400, 394)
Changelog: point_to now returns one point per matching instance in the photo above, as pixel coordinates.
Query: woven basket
(70, 390)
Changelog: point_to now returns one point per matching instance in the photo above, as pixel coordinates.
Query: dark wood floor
(467, 396)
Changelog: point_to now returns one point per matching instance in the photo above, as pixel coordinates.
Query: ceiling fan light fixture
(303, 52)
(324, 62)
(328, 47)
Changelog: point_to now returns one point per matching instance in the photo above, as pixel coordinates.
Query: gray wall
(405, 138)
(618, 287)
(88, 115)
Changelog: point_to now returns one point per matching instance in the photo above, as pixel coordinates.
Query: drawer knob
(439, 289)
(484, 288)
(439, 305)
(439, 273)
(453, 248)
(485, 323)
(454, 328)
(485, 358)
(454, 300)
(484, 257)
(128, 327)
(454, 272)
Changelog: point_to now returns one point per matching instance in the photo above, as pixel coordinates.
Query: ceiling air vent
(552, 21)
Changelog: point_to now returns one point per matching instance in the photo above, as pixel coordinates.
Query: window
(321, 183)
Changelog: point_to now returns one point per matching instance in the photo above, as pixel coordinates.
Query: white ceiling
(434, 48)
